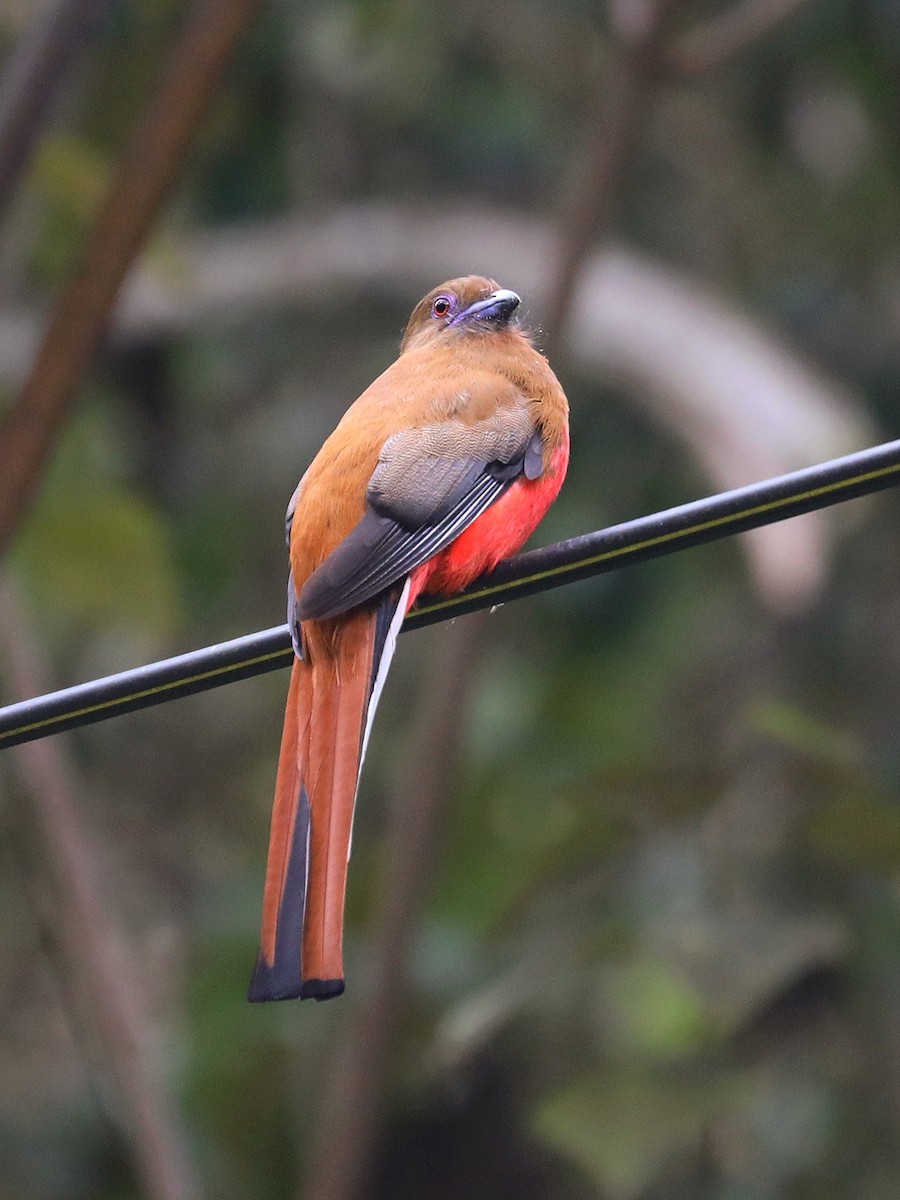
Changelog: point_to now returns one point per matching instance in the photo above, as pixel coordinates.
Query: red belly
(499, 532)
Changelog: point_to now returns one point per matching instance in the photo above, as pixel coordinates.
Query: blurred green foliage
(660, 957)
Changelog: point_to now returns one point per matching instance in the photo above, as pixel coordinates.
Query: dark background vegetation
(624, 912)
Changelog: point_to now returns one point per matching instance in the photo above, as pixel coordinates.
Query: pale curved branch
(743, 403)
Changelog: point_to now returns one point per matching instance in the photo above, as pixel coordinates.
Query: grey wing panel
(422, 472)
(380, 551)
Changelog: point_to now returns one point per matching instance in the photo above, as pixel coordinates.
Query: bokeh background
(624, 911)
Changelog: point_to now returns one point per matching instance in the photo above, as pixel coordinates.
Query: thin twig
(725, 37)
(30, 429)
(32, 79)
(102, 975)
(615, 121)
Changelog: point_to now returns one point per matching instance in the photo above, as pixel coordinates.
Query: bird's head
(460, 306)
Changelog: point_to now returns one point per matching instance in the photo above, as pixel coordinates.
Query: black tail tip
(321, 989)
(272, 983)
(278, 981)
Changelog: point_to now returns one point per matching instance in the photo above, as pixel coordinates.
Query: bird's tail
(330, 706)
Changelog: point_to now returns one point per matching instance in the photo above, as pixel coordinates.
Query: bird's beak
(498, 306)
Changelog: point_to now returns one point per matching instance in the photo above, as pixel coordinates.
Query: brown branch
(32, 79)
(102, 975)
(30, 429)
(355, 1080)
(725, 37)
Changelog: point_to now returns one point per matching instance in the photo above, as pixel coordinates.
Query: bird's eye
(441, 306)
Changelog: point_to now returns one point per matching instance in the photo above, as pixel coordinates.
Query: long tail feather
(277, 974)
(341, 697)
(331, 702)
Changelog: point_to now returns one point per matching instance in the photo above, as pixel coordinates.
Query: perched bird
(441, 468)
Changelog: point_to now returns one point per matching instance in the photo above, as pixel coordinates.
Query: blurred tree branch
(643, 58)
(101, 973)
(32, 79)
(29, 430)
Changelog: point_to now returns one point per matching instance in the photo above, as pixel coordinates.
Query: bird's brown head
(470, 304)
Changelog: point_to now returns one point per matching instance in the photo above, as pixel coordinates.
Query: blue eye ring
(441, 307)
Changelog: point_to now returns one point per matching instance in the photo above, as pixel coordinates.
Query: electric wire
(591, 554)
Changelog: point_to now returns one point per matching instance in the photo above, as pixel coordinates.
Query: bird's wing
(430, 483)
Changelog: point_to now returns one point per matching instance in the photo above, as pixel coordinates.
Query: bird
(444, 466)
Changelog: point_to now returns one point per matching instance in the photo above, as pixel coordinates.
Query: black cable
(578, 558)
